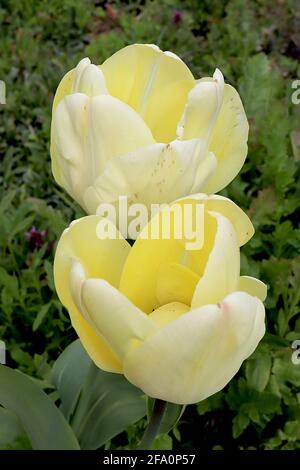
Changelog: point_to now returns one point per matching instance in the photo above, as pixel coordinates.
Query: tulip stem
(155, 419)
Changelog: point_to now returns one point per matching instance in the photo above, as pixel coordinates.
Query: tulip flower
(142, 126)
(177, 323)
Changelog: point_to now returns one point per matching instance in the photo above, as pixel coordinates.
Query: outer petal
(120, 322)
(156, 173)
(202, 109)
(239, 219)
(222, 270)
(154, 83)
(196, 355)
(86, 132)
(93, 258)
(253, 286)
(85, 78)
(228, 141)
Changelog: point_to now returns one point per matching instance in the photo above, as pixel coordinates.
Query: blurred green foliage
(256, 45)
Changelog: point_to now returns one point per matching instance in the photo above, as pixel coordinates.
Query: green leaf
(7, 200)
(98, 404)
(43, 423)
(49, 271)
(9, 282)
(212, 403)
(108, 404)
(40, 316)
(239, 424)
(258, 371)
(171, 415)
(162, 442)
(69, 374)
(12, 434)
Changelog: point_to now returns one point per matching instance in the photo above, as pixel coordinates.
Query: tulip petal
(164, 315)
(153, 174)
(196, 355)
(222, 270)
(150, 256)
(228, 141)
(161, 245)
(202, 109)
(253, 286)
(85, 78)
(80, 254)
(141, 271)
(239, 219)
(176, 283)
(120, 322)
(86, 132)
(153, 82)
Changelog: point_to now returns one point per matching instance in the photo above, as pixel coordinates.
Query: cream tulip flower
(177, 323)
(141, 126)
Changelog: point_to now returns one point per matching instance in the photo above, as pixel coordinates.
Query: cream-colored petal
(196, 355)
(253, 286)
(202, 109)
(86, 132)
(85, 78)
(164, 246)
(156, 173)
(139, 276)
(222, 270)
(175, 283)
(228, 141)
(164, 315)
(64, 88)
(161, 247)
(89, 79)
(154, 83)
(120, 322)
(239, 219)
(81, 254)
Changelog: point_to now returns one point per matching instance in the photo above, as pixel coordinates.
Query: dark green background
(256, 44)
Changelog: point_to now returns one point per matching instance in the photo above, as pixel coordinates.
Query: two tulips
(178, 323)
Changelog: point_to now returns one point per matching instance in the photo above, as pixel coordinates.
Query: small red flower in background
(177, 17)
(36, 238)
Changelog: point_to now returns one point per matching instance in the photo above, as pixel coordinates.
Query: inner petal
(153, 258)
(154, 83)
(176, 282)
(167, 313)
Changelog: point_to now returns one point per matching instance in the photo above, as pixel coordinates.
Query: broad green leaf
(108, 403)
(43, 423)
(69, 374)
(12, 434)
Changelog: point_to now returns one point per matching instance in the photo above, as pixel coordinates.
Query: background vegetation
(256, 44)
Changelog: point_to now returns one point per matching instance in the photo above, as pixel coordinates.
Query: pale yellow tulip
(177, 323)
(141, 126)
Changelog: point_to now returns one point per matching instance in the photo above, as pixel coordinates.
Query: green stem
(156, 417)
